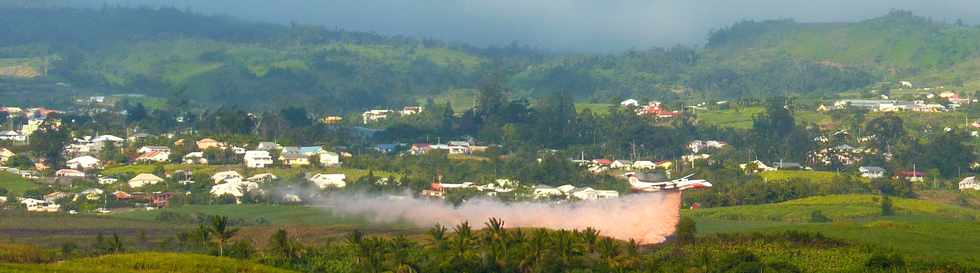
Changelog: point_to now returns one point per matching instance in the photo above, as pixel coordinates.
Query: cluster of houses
(382, 114)
(452, 147)
(541, 192)
(603, 165)
(651, 109)
(32, 117)
(888, 106)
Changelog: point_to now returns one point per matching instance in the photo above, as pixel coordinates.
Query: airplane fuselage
(674, 185)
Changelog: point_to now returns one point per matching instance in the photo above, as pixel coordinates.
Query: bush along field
(836, 233)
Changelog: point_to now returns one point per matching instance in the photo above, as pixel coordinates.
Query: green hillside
(929, 230)
(146, 263)
(213, 61)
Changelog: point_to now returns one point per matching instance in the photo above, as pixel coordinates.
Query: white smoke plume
(648, 218)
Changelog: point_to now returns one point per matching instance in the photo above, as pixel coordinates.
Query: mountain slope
(207, 61)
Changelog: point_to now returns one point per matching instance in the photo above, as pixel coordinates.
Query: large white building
(258, 159)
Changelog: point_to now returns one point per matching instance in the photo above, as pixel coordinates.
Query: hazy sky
(566, 25)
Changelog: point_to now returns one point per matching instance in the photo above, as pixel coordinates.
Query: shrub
(817, 216)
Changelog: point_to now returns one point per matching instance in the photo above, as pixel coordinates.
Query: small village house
(225, 176)
(153, 156)
(84, 163)
(148, 149)
(5, 155)
(969, 183)
(144, 179)
(872, 171)
(258, 159)
(208, 143)
(195, 158)
(324, 181)
(69, 173)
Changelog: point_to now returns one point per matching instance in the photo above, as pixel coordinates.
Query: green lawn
(922, 229)
(737, 117)
(595, 108)
(741, 117)
(14, 183)
(148, 262)
(274, 214)
(815, 176)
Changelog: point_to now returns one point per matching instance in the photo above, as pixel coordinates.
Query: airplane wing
(686, 177)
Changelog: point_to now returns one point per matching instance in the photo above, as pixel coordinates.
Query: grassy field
(595, 108)
(741, 117)
(461, 100)
(148, 262)
(15, 183)
(922, 229)
(276, 215)
(815, 176)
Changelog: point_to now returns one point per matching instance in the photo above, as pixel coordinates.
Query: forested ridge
(208, 61)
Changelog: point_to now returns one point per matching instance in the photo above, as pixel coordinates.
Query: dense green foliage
(207, 61)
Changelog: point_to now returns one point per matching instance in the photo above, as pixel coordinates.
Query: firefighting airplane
(681, 184)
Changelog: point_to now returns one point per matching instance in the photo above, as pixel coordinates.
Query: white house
(69, 173)
(969, 183)
(147, 149)
(545, 191)
(258, 159)
(108, 138)
(35, 205)
(375, 115)
(630, 102)
(84, 163)
(755, 166)
(324, 181)
(329, 159)
(236, 189)
(144, 179)
(5, 155)
(268, 146)
(107, 180)
(621, 164)
(12, 136)
(872, 171)
(644, 165)
(221, 177)
(195, 158)
(586, 193)
(154, 156)
(566, 189)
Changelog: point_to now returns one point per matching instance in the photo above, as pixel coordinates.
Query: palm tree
(496, 240)
(400, 246)
(464, 234)
(438, 233)
(590, 236)
(222, 233)
(281, 246)
(633, 247)
(204, 235)
(608, 248)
